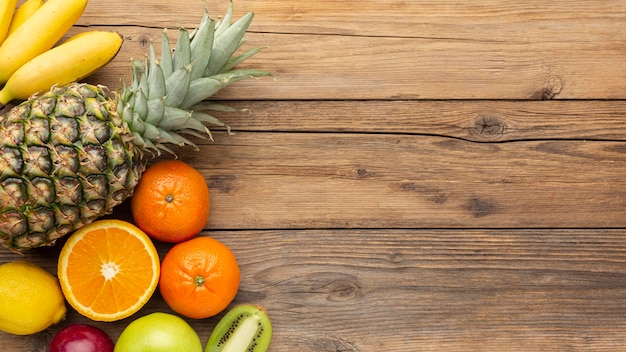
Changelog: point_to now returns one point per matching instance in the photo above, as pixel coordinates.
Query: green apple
(158, 332)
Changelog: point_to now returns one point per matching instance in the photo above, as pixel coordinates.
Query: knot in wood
(342, 290)
(340, 287)
(552, 87)
(488, 127)
(144, 41)
(362, 172)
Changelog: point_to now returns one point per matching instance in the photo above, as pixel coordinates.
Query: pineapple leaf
(210, 119)
(166, 137)
(234, 61)
(166, 55)
(208, 105)
(137, 68)
(174, 118)
(206, 135)
(180, 140)
(203, 88)
(151, 132)
(225, 22)
(140, 105)
(177, 86)
(201, 46)
(156, 109)
(156, 80)
(181, 119)
(182, 53)
(225, 44)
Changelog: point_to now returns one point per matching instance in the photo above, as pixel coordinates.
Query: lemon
(30, 298)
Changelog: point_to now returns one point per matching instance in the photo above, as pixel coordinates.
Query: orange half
(108, 270)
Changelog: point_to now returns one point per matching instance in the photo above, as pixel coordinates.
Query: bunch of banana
(6, 15)
(23, 12)
(29, 60)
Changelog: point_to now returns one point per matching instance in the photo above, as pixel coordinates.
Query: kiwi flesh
(245, 328)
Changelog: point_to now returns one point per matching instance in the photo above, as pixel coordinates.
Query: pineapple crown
(167, 99)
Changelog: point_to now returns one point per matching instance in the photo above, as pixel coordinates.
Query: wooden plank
(336, 180)
(478, 121)
(402, 185)
(407, 50)
(487, 20)
(341, 67)
(420, 290)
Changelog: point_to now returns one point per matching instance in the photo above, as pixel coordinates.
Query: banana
(7, 8)
(27, 9)
(71, 61)
(38, 33)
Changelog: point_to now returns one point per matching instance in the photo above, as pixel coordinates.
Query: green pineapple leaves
(227, 42)
(167, 98)
(201, 46)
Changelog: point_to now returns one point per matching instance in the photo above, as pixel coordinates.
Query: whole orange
(171, 202)
(199, 277)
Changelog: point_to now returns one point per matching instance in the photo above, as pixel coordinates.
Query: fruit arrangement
(73, 151)
(87, 150)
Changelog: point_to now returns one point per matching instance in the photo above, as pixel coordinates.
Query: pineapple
(73, 153)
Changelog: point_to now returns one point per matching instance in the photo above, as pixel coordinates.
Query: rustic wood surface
(418, 176)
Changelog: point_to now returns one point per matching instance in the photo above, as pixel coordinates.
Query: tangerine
(171, 202)
(108, 269)
(199, 277)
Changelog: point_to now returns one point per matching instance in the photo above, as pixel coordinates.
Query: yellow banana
(38, 33)
(7, 8)
(76, 58)
(23, 12)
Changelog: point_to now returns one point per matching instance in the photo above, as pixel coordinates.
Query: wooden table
(419, 176)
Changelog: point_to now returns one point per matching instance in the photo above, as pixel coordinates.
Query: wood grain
(307, 66)
(417, 176)
(406, 50)
(477, 121)
(312, 180)
(421, 290)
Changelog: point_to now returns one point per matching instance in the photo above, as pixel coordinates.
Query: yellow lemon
(30, 298)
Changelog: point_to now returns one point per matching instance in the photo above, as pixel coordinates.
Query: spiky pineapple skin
(66, 159)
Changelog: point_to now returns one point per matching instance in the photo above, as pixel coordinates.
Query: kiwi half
(245, 328)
